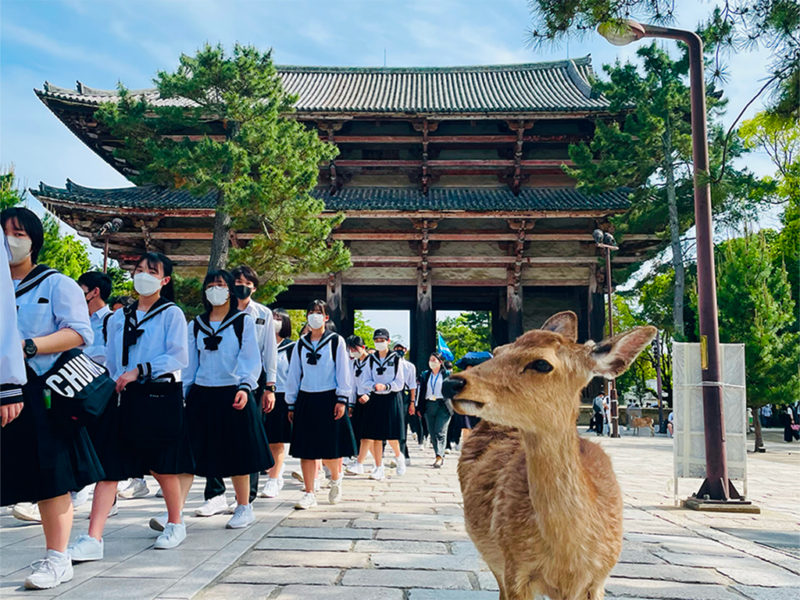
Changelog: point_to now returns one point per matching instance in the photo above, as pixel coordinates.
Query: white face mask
(433, 364)
(354, 353)
(20, 249)
(145, 284)
(217, 295)
(316, 320)
(381, 346)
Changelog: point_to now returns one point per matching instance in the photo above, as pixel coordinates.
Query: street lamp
(656, 343)
(106, 230)
(606, 240)
(716, 488)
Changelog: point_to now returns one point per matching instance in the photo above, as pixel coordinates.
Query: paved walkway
(404, 538)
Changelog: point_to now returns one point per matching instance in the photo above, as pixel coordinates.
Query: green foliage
(62, 252)
(189, 295)
(121, 282)
(262, 163)
(634, 380)
(732, 26)
(468, 332)
(362, 327)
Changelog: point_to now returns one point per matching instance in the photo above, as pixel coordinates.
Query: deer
(541, 504)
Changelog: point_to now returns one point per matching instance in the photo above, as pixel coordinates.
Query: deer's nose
(452, 385)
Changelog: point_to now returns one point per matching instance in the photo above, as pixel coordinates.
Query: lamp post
(106, 230)
(657, 357)
(716, 488)
(606, 241)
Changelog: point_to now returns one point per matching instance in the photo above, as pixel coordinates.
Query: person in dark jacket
(432, 405)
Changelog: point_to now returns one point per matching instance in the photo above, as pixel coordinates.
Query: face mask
(433, 364)
(381, 346)
(354, 353)
(145, 284)
(316, 320)
(400, 353)
(20, 249)
(242, 291)
(217, 295)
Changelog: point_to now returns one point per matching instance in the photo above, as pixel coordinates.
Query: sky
(103, 42)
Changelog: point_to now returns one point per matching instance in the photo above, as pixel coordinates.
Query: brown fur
(541, 504)
(643, 422)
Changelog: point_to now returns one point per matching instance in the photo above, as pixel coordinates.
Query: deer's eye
(540, 365)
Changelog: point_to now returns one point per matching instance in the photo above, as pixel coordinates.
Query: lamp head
(621, 33)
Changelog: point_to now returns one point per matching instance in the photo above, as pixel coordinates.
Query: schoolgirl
(318, 389)
(359, 359)
(225, 427)
(246, 282)
(41, 460)
(384, 413)
(432, 406)
(276, 416)
(146, 352)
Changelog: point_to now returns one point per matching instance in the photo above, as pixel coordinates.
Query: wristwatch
(30, 349)
(270, 388)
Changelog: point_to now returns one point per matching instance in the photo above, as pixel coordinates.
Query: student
(318, 390)
(40, 460)
(432, 406)
(359, 357)
(409, 399)
(224, 419)
(276, 417)
(246, 282)
(384, 413)
(146, 351)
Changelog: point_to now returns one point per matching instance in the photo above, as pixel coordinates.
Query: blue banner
(441, 346)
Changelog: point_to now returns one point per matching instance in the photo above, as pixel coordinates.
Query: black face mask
(242, 291)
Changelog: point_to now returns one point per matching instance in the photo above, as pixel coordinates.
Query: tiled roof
(354, 199)
(534, 87)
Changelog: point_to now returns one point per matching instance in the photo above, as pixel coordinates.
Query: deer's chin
(472, 408)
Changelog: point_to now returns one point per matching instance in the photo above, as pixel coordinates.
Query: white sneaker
(308, 500)
(80, 498)
(85, 548)
(378, 473)
(335, 495)
(26, 511)
(217, 505)
(321, 483)
(55, 569)
(113, 511)
(121, 485)
(401, 465)
(174, 534)
(298, 475)
(160, 493)
(158, 523)
(136, 489)
(355, 468)
(242, 517)
(272, 488)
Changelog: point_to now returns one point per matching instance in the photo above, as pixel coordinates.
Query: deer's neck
(557, 483)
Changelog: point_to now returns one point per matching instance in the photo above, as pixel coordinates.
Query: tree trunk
(221, 241)
(759, 447)
(675, 235)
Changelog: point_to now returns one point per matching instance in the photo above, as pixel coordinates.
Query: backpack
(105, 327)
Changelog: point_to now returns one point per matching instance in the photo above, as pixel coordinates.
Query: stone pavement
(404, 538)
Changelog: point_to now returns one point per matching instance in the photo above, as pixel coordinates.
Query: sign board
(689, 451)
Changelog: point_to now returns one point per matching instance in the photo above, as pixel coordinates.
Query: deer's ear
(565, 323)
(612, 357)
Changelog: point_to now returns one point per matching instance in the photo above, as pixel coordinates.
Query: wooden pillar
(514, 309)
(348, 316)
(499, 326)
(425, 322)
(334, 299)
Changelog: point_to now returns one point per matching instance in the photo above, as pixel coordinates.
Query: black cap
(381, 333)
(399, 345)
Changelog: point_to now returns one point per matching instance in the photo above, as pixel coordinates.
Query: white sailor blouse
(218, 358)
(285, 350)
(411, 374)
(12, 360)
(155, 341)
(314, 368)
(265, 333)
(360, 378)
(56, 303)
(389, 371)
(97, 351)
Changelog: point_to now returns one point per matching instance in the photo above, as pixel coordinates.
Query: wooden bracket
(147, 227)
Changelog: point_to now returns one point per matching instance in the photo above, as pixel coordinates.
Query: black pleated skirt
(316, 433)
(226, 442)
(357, 419)
(384, 417)
(276, 423)
(40, 459)
(109, 443)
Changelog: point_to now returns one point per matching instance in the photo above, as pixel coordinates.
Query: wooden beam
(480, 162)
(469, 236)
(453, 139)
